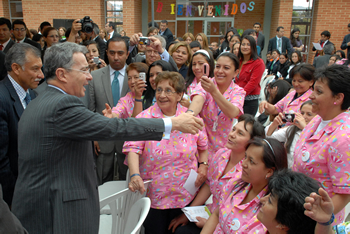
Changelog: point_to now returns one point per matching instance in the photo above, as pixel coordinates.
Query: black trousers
(157, 221)
(190, 228)
(251, 106)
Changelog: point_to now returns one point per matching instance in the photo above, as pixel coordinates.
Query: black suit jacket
(3, 72)
(286, 48)
(261, 41)
(8, 46)
(169, 36)
(11, 110)
(33, 43)
(101, 47)
(345, 46)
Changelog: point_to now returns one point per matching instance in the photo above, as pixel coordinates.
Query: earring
(266, 177)
(335, 103)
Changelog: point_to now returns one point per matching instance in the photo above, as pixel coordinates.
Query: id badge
(215, 124)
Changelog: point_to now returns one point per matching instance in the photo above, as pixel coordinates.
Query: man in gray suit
(56, 190)
(100, 89)
(323, 60)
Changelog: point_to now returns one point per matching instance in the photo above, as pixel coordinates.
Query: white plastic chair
(119, 208)
(137, 216)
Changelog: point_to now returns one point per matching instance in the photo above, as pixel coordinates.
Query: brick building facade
(332, 15)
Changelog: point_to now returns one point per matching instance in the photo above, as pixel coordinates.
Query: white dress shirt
(120, 77)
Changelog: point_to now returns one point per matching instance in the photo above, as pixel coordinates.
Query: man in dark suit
(165, 31)
(261, 37)
(325, 36)
(101, 92)
(5, 35)
(19, 32)
(23, 63)
(280, 42)
(323, 60)
(56, 190)
(346, 43)
(3, 72)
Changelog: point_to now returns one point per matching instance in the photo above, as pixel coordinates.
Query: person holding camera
(155, 50)
(93, 55)
(302, 81)
(89, 31)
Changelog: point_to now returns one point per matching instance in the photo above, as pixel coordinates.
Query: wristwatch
(204, 163)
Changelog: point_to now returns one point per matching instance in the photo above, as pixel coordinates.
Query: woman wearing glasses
(168, 162)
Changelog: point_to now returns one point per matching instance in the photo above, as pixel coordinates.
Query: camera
(144, 41)
(86, 24)
(288, 117)
(97, 60)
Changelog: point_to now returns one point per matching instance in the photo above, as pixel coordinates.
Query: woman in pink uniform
(131, 104)
(168, 162)
(303, 79)
(226, 165)
(195, 73)
(219, 101)
(323, 150)
(263, 157)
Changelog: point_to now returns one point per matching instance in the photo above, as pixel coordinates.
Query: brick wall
(331, 15)
(132, 20)
(247, 20)
(4, 9)
(35, 12)
(282, 11)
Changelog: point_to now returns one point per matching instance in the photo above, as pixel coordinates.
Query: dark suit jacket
(286, 48)
(11, 110)
(314, 49)
(56, 190)
(101, 47)
(8, 46)
(261, 41)
(100, 92)
(8, 222)
(345, 46)
(33, 43)
(274, 69)
(3, 72)
(169, 36)
(321, 61)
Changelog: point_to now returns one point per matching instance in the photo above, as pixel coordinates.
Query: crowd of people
(80, 107)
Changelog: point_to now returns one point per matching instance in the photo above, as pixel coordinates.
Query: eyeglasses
(53, 36)
(86, 72)
(19, 29)
(151, 51)
(168, 92)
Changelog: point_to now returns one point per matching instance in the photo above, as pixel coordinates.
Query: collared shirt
(111, 34)
(120, 77)
(279, 43)
(5, 44)
(20, 91)
(21, 41)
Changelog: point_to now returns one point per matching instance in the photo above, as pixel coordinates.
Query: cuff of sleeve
(165, 56)
(168, 125)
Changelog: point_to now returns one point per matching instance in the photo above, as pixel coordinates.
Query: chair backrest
(137, 216)
(120, 204)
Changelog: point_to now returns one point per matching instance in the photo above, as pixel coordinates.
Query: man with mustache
(23, 65)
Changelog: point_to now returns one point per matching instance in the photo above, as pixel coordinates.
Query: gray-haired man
(56, 190)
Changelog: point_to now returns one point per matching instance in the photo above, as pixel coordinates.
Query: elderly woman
(322, 151)
(181, 54)
(168, 162)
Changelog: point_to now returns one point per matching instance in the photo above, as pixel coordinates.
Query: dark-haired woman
(290, 135)
(262, 158)
(219, 101)
(295, 59)
(282, 70)
(227, 164)
(322, 151)
(303, 79)
(295, 41)
(153, 70)
(251, 69)
(225, 45)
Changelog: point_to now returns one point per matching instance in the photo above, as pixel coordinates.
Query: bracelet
(190, 110)
(138, 100)
(329, 222)
(134, 175)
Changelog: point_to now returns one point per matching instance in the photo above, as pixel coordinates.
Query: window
(114, 13)
(16, 11)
